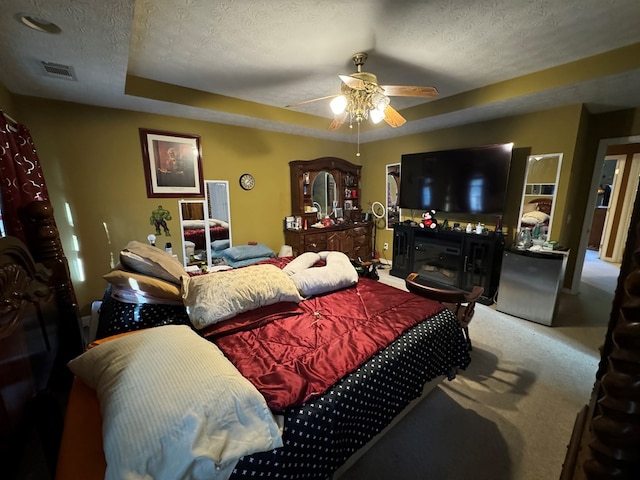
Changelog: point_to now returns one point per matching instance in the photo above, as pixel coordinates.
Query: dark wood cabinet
(352, 239)
(597, 227)
(448, 258)
(341, 198)
(344, 178)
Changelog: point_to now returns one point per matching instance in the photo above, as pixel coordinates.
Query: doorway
(617, 212)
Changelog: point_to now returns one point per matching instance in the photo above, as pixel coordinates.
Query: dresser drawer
(354, 241)
(315, 242)
(361, 240)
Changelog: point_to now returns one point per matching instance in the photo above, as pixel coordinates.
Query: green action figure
(159, 219)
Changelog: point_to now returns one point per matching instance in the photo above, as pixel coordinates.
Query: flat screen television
(466, 180)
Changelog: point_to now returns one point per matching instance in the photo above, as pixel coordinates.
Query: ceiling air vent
(58, 71)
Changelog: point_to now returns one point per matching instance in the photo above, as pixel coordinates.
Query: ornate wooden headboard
(39, 333)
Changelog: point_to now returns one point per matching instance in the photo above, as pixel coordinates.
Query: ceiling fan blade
(393, 118)
(352, 82)
(310, 101)
(338, 121)
(408, 91)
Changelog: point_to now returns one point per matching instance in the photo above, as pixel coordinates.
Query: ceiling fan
(361, 97)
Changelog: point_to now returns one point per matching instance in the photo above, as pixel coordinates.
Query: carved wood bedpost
(44, 243)
(606, 439)
(616, 425)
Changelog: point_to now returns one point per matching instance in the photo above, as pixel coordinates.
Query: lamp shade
(338, 104)
(376, 115)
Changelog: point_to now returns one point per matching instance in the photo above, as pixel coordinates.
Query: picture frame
(348, 204)
(172, 164)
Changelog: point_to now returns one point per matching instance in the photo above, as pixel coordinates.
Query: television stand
(449, 258)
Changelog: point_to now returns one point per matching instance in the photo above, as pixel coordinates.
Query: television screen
(467, 180)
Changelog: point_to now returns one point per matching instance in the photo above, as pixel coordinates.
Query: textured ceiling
(276, 53)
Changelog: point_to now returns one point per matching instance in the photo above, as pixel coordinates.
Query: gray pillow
(143, 258)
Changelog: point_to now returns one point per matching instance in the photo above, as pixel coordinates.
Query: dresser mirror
(324, 193)
(326, 186)
(205, 225)
(393, 189)
(217, 199)
(539, 195)
(193, 225)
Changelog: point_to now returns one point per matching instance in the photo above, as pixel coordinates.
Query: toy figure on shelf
(429, 220)
(159, 219)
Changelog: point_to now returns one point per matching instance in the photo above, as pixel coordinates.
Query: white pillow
(301, 262)
(173, 406)
(214, 222)
(193, 224)
(532, 218)
(338, 273)
(218, 296)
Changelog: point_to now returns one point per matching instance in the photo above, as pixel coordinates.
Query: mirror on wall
(193, 225)
(539, 195)
(393, 192)
(219, 216)
(324, 193)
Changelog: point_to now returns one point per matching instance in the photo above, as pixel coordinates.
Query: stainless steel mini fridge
(529, 284)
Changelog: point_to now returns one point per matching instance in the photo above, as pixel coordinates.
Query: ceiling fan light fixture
(338, 104)
(362, 98)
(380, 101)
(376, 115)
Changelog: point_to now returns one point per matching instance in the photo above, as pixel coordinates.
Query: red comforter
(196, 235)
(293, 352)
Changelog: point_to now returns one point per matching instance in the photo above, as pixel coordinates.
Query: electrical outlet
(385, 246)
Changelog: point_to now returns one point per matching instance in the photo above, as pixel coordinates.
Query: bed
(537, 212)
(194, 231)
(334, 360)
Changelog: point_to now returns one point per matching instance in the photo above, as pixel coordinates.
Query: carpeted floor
(510, 414)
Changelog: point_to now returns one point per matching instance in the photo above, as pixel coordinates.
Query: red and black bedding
(338, 366)
(194, 231)
(309, 347)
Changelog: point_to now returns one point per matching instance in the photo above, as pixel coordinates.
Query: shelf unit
(353, 236)
(346, 176)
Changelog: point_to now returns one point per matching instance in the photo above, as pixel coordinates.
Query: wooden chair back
(461, 303)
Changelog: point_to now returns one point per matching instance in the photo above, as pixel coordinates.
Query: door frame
(603, 145)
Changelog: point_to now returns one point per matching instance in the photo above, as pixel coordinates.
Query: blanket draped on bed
(298, 351)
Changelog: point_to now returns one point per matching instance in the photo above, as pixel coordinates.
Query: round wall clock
(247, 182)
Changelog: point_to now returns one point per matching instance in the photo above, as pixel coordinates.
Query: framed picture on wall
(172, 164)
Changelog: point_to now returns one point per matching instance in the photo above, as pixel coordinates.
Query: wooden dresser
(352, 239)
(328, 187)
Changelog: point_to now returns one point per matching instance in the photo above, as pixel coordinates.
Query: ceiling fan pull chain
(358, 153)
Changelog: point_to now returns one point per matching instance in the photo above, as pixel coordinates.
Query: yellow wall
(6, 101)
(550, 131)
(92, 160)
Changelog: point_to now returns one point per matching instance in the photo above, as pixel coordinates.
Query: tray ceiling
(241, 62)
